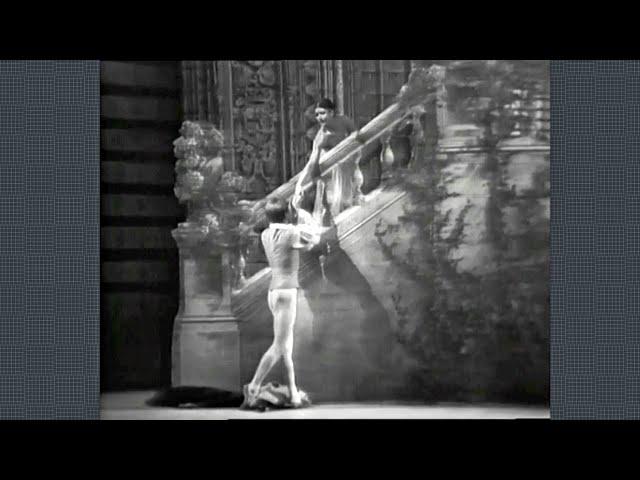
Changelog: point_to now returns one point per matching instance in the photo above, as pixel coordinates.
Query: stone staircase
(344, 348)
(343, 341)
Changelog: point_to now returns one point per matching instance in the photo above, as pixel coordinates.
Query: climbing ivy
(472, 336)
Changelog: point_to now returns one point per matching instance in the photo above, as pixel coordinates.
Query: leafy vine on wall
(472, 336)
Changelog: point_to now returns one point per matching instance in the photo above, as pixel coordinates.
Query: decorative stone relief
(256, 118)
(312, 95)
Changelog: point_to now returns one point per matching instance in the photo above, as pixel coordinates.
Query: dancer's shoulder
(277, 229)
(346, 123)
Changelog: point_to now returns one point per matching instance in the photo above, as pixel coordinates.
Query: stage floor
(130, 406)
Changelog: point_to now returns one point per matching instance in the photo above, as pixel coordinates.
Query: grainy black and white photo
(331, 239)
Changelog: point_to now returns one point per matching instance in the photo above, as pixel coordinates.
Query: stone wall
(443, 294)
(438, 289)
(354, 339)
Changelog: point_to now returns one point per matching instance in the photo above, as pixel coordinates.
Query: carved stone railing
(423, 85)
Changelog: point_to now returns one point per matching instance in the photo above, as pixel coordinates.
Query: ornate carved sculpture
(214, 215)
(212, 244)
(255, 114)
(199, 166)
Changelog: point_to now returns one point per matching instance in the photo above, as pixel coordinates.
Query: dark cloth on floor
(196, 397)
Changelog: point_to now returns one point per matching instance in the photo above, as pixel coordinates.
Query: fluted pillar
(199, 90)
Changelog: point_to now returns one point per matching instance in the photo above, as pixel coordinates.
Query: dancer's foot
(250, 396)
(296, 398)
(301, 402)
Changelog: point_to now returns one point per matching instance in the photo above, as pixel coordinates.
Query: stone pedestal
(206, 352)
(206, 338)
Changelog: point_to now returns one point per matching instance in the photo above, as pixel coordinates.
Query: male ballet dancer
(282, 244)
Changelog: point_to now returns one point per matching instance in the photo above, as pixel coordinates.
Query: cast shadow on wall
(351, 337)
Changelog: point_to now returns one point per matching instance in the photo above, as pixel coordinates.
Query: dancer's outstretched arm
(311, 170)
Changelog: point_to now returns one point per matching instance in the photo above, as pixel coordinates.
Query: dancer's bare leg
(288, 355)
(283, 305)
(268, 360)
(270, 357)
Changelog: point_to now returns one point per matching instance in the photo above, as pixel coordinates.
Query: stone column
(206, 339)
(339, 87)
(199, 90)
